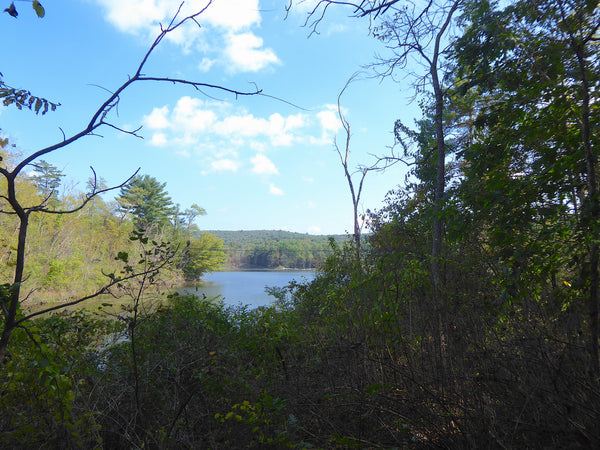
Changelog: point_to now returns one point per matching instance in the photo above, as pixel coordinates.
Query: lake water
(246, 287)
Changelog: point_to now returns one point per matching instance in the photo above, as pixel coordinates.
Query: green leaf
(39, 9)
(122, 256)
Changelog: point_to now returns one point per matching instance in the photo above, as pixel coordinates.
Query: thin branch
(101, 291)
(88, 198)
(98, 118)
(198, 85)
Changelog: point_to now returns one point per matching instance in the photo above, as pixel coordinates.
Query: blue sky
(251, 162)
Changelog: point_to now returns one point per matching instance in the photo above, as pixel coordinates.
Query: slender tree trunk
(594, 211)
(11, 302)
(436, 248)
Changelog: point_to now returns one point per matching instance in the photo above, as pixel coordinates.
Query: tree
(203, 254)
(422, 32)
(146, 199)
(535, 66)
(11, 203)
(47, 178)
(362, 8)
(363, 171)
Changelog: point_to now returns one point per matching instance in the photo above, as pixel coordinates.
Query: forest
(74, 253)
(467, 317)
(265, 249)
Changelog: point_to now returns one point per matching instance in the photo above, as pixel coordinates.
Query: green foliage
(146, 199)
(46, 178)
(42, 381)
(274, 249)
(22, 98)
(202, 255)
(39, 9)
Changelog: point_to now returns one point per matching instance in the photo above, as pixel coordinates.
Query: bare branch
(103, 290)
(88, 198)
(99, 117)
(362, 8)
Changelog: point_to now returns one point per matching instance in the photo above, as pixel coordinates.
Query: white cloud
(246, 52)
(157, 119)
(329, 119)
(158, 140)
(330, 124)
(225, 165)
(263, 165)
(308, 179)
(273, 190)
(136, 16)
(133, 16)
(190, 114)
(276, 127)
(314, 230)
(233, 14)
(224, 28)
(215, 130)
(206, 64)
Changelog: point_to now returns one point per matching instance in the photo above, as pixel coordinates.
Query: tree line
(265, 249)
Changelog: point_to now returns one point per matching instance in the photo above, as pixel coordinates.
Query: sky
(252, 162)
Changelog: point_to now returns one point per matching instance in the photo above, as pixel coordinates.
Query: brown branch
(88, 198)
(103, 290)
(99, 117)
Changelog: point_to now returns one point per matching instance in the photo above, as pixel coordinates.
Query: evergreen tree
(147, 200)
(47, 178)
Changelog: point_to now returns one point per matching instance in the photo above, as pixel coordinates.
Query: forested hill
(270, 249)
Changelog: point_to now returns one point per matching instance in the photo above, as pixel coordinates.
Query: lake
(245, 287)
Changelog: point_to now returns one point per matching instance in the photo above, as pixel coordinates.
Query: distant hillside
(270, 249)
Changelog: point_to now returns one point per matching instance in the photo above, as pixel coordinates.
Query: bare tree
(422, 32)
(10, 293)
(413, 31)
(362, 170)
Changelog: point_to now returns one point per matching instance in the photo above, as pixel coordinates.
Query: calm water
(246, 287)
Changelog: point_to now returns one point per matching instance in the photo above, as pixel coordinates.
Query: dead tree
(344, 159)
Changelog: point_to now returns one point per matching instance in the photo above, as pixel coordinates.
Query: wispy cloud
(263, 165)
(330, 124)
(225, 165)
(274, 190)
(314, 229)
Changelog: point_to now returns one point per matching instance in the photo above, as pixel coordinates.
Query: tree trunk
(10, 310)
(594, 211)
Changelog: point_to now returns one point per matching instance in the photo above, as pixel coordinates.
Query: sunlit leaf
(39, 9)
